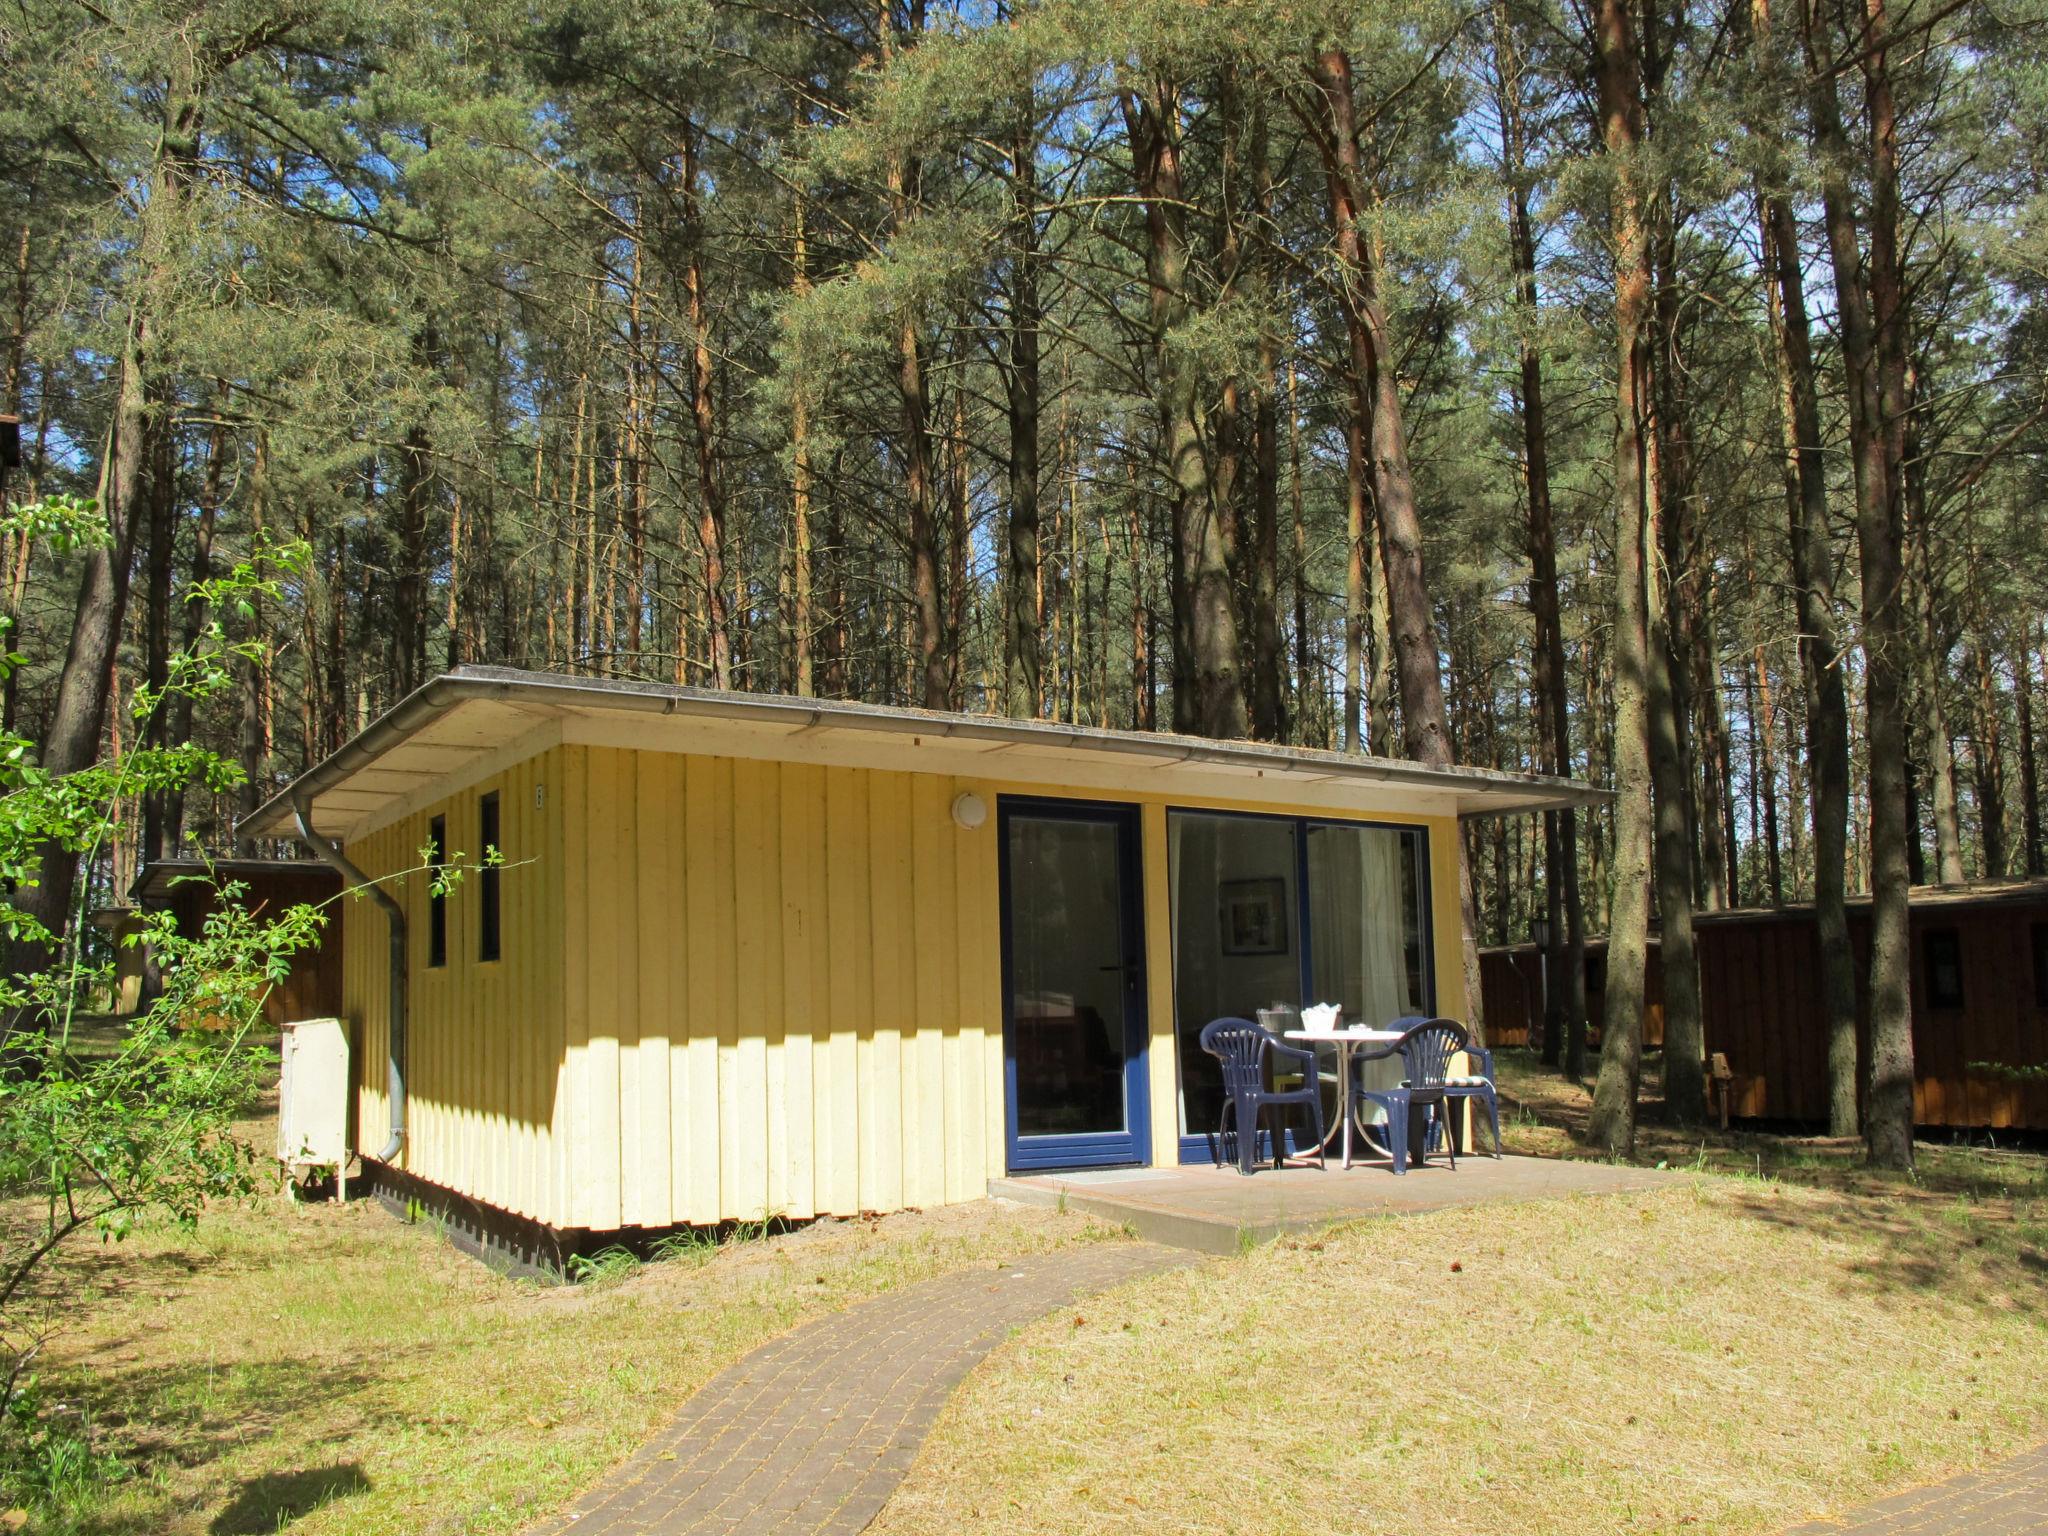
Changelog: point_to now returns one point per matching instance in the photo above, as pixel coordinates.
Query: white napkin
(1321, 1016)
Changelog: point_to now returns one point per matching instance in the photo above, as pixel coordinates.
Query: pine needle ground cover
(1725, 1355)
(1545, 1115)
(326, 1370)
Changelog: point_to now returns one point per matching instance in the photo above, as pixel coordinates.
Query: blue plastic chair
(1243, 1050)
(1478, 1085)
(1425, 1049)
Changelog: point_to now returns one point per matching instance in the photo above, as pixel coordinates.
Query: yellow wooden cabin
(754, 956)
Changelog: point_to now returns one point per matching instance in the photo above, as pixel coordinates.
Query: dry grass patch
(1722, 1355)
(325, 1370)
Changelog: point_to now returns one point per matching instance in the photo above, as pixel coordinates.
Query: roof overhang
(157, 878)
(469, 724)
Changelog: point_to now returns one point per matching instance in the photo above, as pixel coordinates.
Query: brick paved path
(813, 1431)
(2009, 1499)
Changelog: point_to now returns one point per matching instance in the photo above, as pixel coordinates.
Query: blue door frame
(1133, 1144)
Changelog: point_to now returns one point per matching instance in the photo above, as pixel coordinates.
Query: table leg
(1330, 1130)
(1344, 1095)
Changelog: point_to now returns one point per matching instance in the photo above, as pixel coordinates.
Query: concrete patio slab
(1215, 1210)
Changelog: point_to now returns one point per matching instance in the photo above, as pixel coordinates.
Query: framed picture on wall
(1253, 916)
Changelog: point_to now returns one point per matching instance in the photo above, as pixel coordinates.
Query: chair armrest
(1484, 1057)
(1305, 1056)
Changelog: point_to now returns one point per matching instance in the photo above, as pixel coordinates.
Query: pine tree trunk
(1357, 567)
(1684, 1068)
(1140, 617)
(1209, 692)
(1269, 651)
(415, 493)
(834, 640)
(1928, 661)
(927, 637)
(633, 456)
(1764, 767)
(252, 746)
(2035, 854)
(1024, 683)
(704, 421)
(1683, 685)
(802, 621)
(194, 612)
(1689, 849)
(159, 559)
(1411, 620)
(1612, 1124)
(1873, 320)
(78, 714)
(1987, 757)
(1565, 962)
(1820, 651)
(1304, 655)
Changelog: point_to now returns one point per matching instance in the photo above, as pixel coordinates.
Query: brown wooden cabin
(1511, 978)
(1980, 1001)
(312, 990)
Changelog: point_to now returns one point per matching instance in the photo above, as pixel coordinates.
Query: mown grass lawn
(1725, 1354)
(328, 1370)
(1728, 1353)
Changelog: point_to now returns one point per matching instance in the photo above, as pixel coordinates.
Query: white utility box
(312, 1100)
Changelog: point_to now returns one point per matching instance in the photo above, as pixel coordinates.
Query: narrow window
(2041, 965)
(1942, 953)
(487, 878)
(437, 898)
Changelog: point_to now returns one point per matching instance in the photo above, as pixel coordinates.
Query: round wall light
(969, 810)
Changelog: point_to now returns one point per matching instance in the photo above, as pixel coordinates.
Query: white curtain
(1360, 936)
(1361, 923)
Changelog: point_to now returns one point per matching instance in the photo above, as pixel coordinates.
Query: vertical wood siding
(766, 1011)
(729, 990)
(484, 1084)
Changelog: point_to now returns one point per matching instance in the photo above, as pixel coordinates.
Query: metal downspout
(394, 916)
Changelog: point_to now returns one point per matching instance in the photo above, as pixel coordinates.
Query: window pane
(487, 880)
(1942, 953)
(1236, 937)
(1067, 976)
(1365, 922)
(437, 901)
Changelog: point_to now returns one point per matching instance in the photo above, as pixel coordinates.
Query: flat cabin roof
(157, 878)
(466, 725)
(1930, 900)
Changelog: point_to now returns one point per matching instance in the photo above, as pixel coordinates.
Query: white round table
(1347, 1040)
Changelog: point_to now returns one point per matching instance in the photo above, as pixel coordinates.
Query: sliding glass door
(1074, 985)
(1274, 911)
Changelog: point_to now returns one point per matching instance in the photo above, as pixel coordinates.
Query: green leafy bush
(95, 1141)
